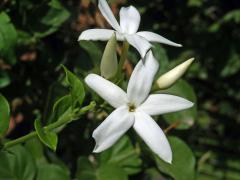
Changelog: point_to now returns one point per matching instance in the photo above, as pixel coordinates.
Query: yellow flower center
(131, 107)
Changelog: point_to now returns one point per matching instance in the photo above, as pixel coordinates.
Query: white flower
(135, 108)
(127, 30)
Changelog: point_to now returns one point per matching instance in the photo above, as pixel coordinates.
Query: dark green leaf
(124, 155)
(8, 39)
(186, 117)
(76, 88)
(86, 170)
(17, 164)
(52, 172)
(55, 17)
(183, 163)
(62, 106)
(4, 79)
(4, 115)
(50, 139)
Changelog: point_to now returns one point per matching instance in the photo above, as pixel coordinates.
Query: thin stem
(64, 119)
(123, 58)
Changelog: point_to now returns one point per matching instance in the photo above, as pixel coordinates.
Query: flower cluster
(135, 107)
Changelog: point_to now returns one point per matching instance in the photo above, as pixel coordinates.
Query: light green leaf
(76, 88)
(62, 106)
(52, 172)
(109, 62)
(8, 39)
(4, 115)
(17, 164)
(4, 79)
(186, 117)
(124, 155)
(183, 164)
(86, 170)
(50, 139)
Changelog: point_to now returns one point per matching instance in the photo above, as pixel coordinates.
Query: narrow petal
(141, 79)
(138, 42)
(112, 128)
(96, 34)
(113, 94)
(153, 136)
(129, 19)
(107, 13)
(157, 104)
(153, 37)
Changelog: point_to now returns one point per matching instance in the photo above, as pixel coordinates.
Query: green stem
(66, 118)
(123, 58)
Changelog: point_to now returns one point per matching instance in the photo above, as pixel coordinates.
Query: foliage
(38, 37)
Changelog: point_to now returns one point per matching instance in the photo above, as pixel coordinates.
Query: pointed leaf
(50, 139)
(4, 115)
(76, 88)
(183, 164)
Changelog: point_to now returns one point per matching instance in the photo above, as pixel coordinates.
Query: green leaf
(4, 79)
(109, 62)
(124, 155)
(50, 139)
(183, 164)
(52, 172)
(62, 106)
(17, 164)
(86, 170)
(186, 117)
(4, 115)
(76, 88)
(8, 39)
(111, 171)
(55, 17)
(232, 15)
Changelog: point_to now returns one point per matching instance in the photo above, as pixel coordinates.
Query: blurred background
(37, 36)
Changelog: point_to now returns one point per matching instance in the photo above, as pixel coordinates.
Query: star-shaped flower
(127, 30)
(135, 108)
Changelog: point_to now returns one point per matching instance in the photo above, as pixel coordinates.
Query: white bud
(109, 62)
(170, 77)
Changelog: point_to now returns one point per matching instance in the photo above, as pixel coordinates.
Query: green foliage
(183, 164)
(8, 39)
(76, 88)
(17, 164)
(53, 19)
(4, 115)
(186, 117)
(51, 172)
(124, 155)
(50, 139)
(4, 79)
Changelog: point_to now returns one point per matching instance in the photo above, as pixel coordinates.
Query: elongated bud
(109, 63)
(170, 77)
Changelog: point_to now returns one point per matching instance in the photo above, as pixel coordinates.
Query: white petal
(129, 19)
(112, 128)
(140, 82)
(153, 136)
(164, 103)
(96, 34)
(153, 37)
(107, 13)
(141, 44)
(113, 94)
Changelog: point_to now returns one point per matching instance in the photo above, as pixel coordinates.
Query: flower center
(131, 107)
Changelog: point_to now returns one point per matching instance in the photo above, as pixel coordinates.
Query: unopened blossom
(126, 30)
(135, 108)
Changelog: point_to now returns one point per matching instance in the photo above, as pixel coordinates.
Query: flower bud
(169, 78)
(109, 62)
